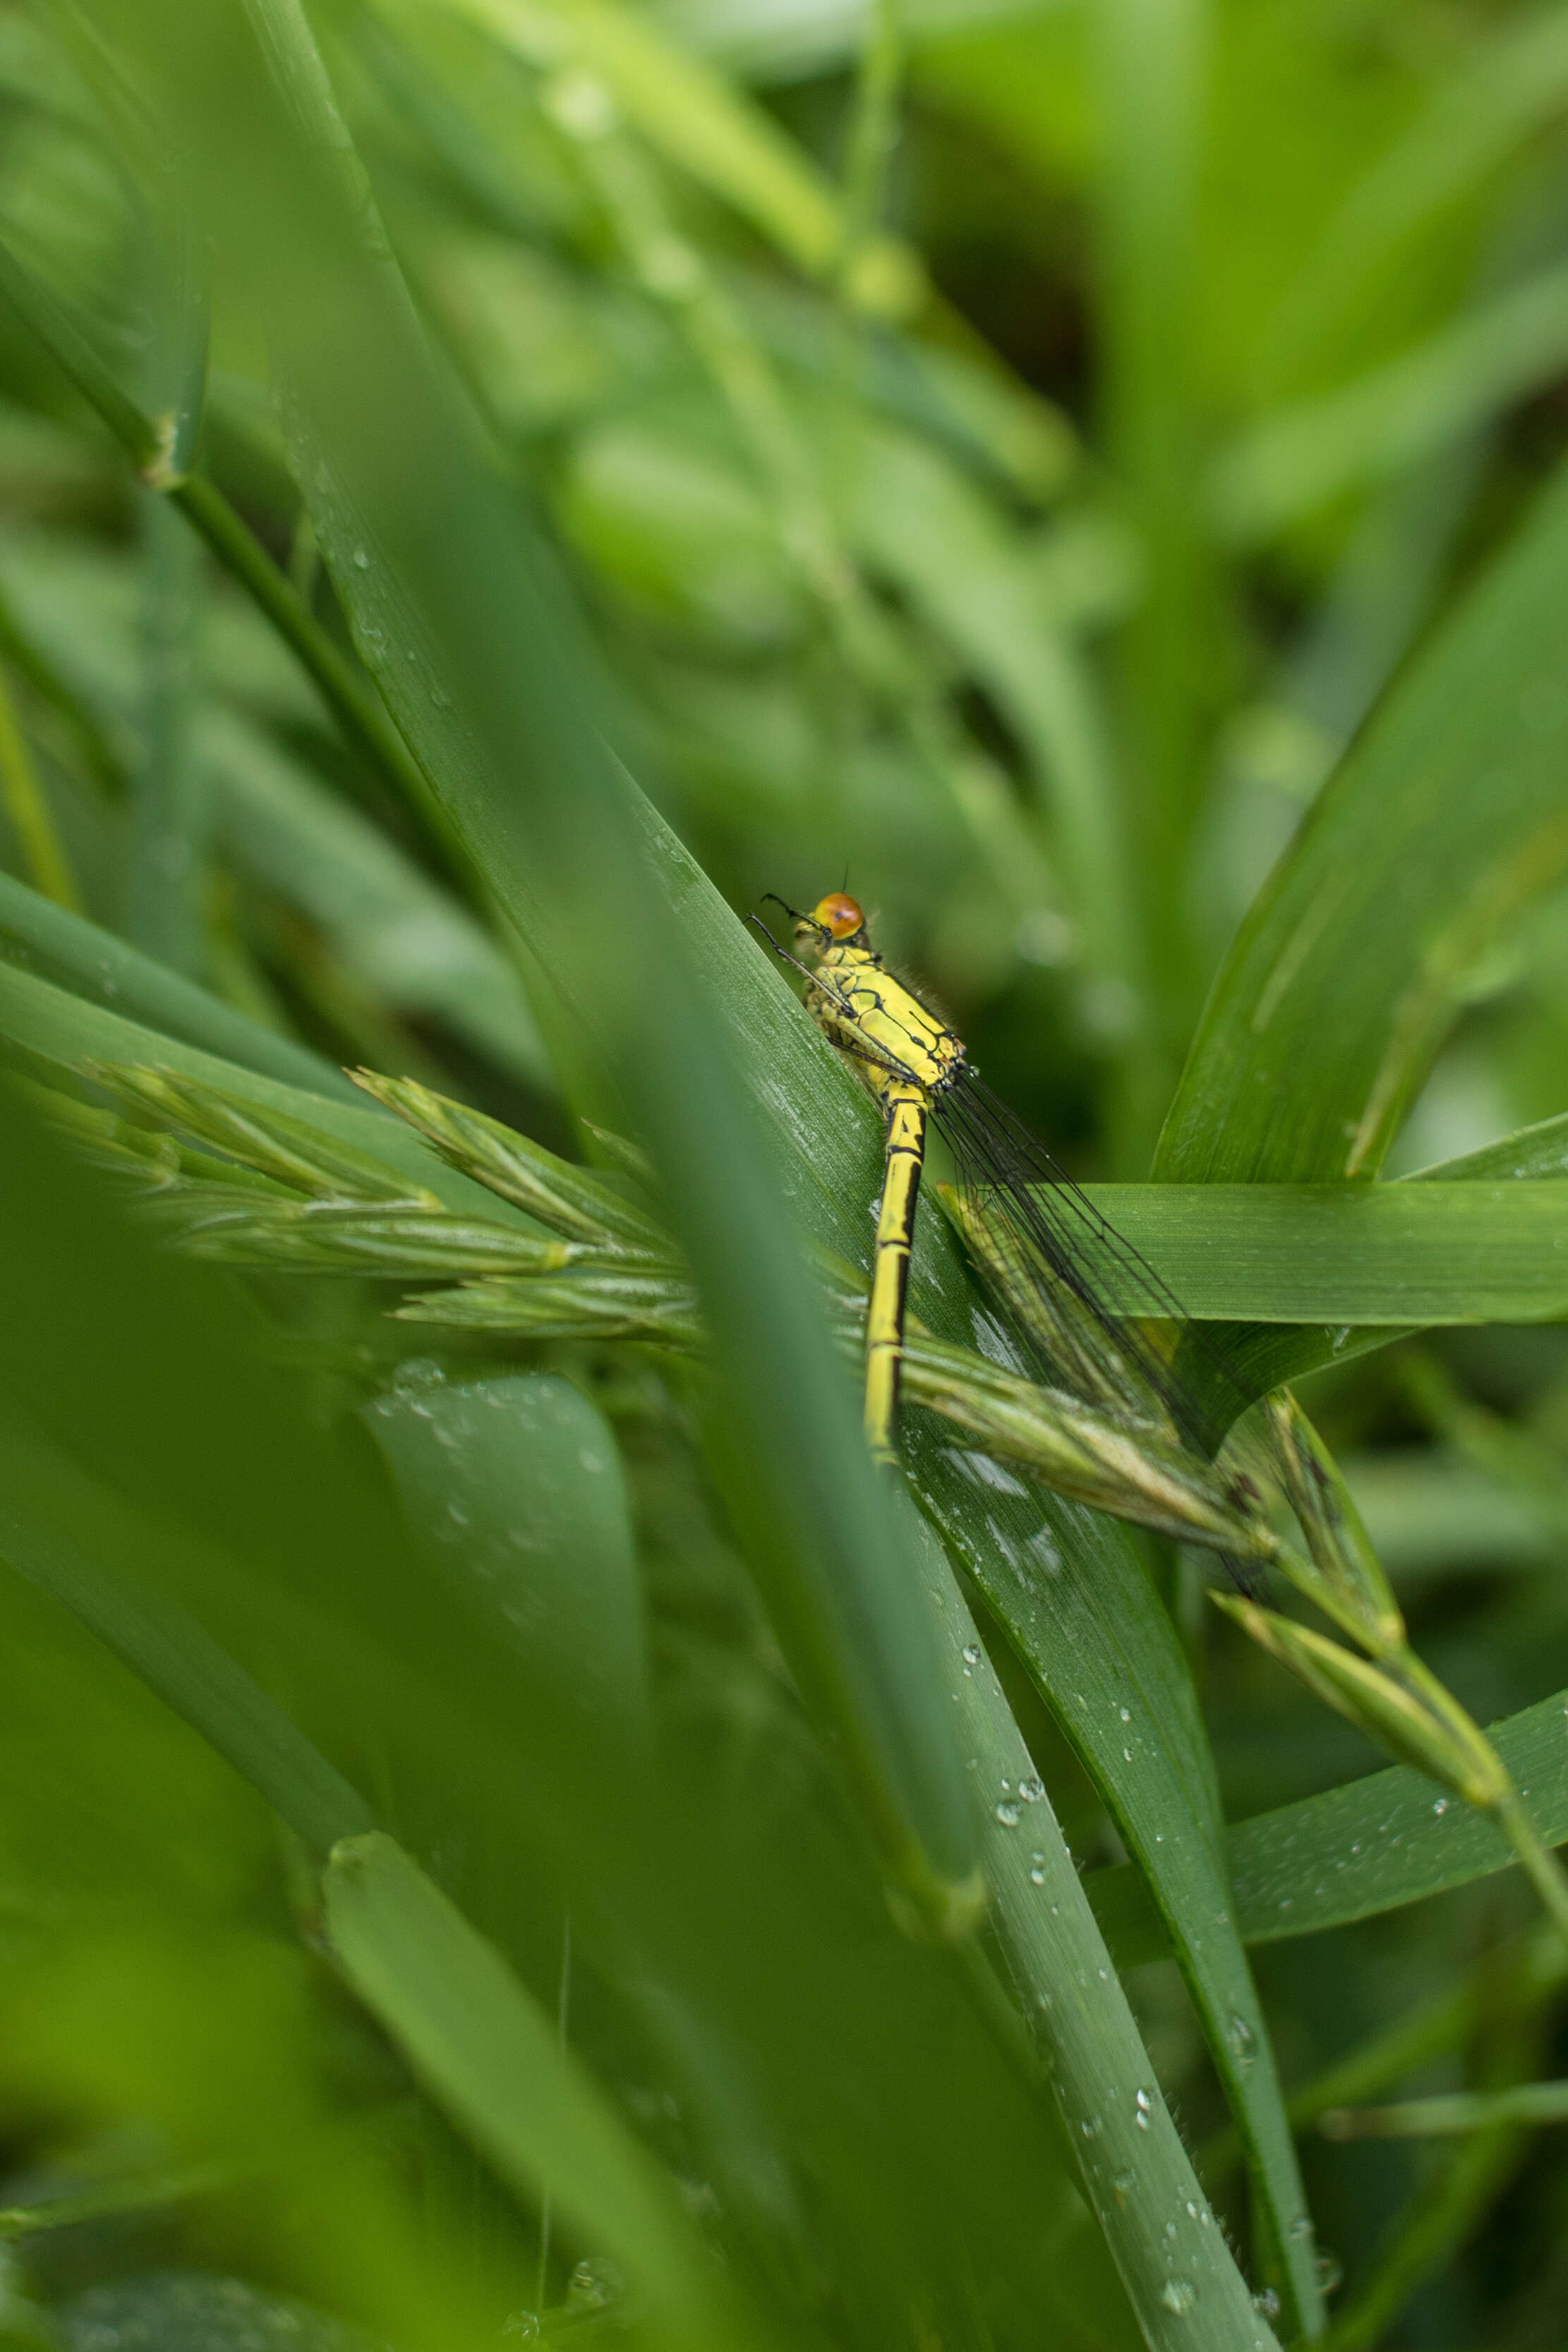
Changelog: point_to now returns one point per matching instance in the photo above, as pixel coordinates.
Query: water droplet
(1126, 1715)
(361, 559)
(1440, 1806)
(1301, 2228)
(1123, 2183)
(1142, 2108)
(1177, 2295)
(1091, 2127)
(970, 1653)
(1127, 1755)
(1242, 2040)
(1037, 1869)
(1330, 2271)
(1266, 2303)
(1032, 1790)
(596, 2281)
(1007, 1814)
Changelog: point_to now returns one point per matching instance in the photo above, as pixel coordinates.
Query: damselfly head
(839, 915)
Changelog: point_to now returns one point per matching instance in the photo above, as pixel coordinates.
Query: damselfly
(1037, 1235)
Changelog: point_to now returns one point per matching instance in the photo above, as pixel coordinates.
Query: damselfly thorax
(1034, 1233)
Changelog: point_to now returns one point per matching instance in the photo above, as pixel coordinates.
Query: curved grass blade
(1370, 1846)
(409, 594)
(65, 1031)
(75, 954)
(492, 2057)
(1347, 971)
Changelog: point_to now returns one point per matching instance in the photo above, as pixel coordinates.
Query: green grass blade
(1133, 2162)
(1289, 463)
(1149, 72)
(490, 2054)
(74, 955)
(515, 1491)
(1433, 1252)
(171, 1654)
(65, 1031)
(1347, 971)
(395, 929)
(1372, 1845)
(1077, 1606)
(481, 625)
(514, 765)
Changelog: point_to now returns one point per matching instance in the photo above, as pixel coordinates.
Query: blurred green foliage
(488, 488)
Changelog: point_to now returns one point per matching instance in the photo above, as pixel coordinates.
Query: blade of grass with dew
(1344, 976)
(1134, 2165)
(1143, 1786)
(492, 627)
(1372, 1845)
(397, 592)
(514, 1489)
(1156, 1796)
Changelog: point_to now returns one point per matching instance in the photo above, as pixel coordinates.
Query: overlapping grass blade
(1347, 971)
(1369, 1846)
(408, 591)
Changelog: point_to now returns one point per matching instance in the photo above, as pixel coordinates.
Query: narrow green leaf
(1348, 969)
(1432, 1252)
(173, 1654)
(514, 765)
(513, 1487)
(1372, 1845)
(489, 2054)
(68, 1031)
(1289, 463)
(76, 955)
(701, 125)
(477, 627)
(394, 928)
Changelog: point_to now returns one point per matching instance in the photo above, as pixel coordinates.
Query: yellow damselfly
(1035, 1231)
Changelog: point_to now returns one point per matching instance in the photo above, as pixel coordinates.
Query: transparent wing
(1050, 1250)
